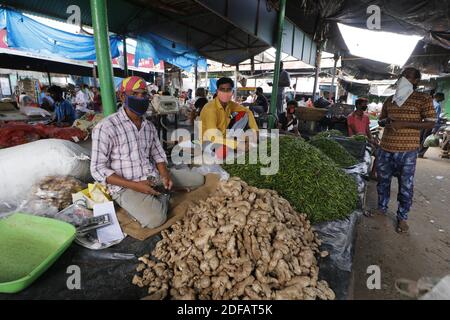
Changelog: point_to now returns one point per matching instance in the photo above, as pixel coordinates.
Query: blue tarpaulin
(213, 85)
(2, 19)
(29, 34)
(158, 48)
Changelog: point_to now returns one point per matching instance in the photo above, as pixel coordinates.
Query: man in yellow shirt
(221, 115)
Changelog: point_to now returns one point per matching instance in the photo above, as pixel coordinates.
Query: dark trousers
(401, 165)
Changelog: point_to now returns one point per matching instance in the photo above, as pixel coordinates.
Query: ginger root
(241, 243)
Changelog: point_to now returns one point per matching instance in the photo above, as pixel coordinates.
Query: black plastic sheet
(338, 237)
(105, 274)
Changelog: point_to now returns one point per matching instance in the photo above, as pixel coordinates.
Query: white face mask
(404, 90)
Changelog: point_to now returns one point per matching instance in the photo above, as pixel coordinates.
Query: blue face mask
(138, 106)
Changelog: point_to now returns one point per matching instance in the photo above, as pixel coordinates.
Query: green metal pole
(276, 75)
(103, 51)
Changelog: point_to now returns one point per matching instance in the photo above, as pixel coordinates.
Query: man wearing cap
(127, 156)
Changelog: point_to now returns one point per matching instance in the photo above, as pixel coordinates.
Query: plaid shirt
(119, 148)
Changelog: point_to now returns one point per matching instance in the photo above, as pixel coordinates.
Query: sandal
(402, 226)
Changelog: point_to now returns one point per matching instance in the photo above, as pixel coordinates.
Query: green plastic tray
(29, 245)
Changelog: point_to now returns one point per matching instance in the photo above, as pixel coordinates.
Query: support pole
(296, 83)
(333, 93)
(276, 75)
(49, 78)
(94, 75)
(196, 77)
(125, 57)
(316, 77)
(207, 79)
(236, 75)
(103, 51)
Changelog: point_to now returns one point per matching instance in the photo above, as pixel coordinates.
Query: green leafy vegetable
(307, 178)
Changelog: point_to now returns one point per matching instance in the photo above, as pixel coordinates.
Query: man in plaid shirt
(127, 155)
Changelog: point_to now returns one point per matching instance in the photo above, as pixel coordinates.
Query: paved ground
(425, 251)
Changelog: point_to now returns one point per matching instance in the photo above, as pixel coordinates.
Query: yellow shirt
(214, 116)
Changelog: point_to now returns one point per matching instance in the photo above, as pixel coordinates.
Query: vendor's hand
(144, 187)
(167, 181)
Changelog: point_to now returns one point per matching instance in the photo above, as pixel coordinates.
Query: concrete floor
(424, 252)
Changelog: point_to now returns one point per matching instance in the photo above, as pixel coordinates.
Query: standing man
(403, 115)
(127, 156)
(424, 133)
(283, 83)
(80, 102)
(358, 122)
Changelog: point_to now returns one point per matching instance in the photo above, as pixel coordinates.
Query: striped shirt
(119, 148)
(417, 108)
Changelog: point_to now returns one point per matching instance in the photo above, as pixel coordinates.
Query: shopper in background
(80, 102)
(287, 121)
(200, 100)
(97, 100)
(64, 112)
(261, 104)
(424, 133)
(47, 102)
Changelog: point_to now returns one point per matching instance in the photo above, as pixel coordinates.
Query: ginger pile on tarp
(242, 243)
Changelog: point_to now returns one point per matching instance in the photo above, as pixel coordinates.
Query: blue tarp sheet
(158, 48)
(29, 34)
(2, 19)
(213, 85)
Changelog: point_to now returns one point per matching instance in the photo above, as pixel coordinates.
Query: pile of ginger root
(241, 243)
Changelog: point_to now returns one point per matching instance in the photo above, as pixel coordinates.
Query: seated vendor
(127, 156)
(358, 122)
(221, 114)
(261, 104)
(64, 111)
(288, 123)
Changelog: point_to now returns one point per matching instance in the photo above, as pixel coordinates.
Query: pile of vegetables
(242, 243)
(359, 138)
(308, 179)
(335, 151)
(328, 134)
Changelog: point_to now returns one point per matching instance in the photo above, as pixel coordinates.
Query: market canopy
(425, 18)
(30, 35)
(185, 22)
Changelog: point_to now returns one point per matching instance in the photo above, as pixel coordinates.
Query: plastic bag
(56, 191)
(23, 166)
(95, 193)
(431, 141)
(33, 111)
(76, 214)
(337, 238)
(214, 168)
